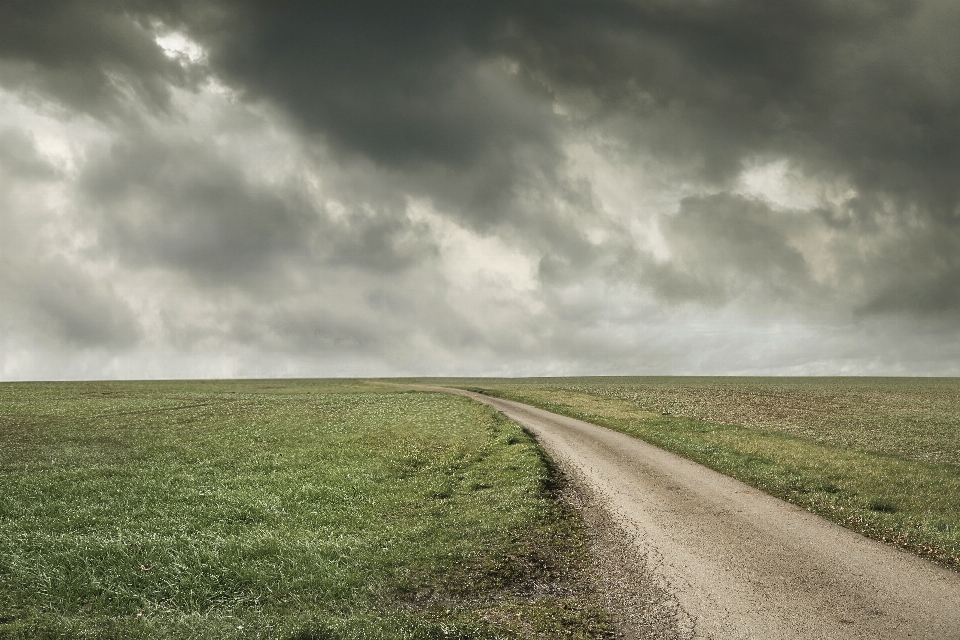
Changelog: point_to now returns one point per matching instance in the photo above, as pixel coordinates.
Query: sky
(213, 189)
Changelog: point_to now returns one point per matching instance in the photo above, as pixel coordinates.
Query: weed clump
(882, 505)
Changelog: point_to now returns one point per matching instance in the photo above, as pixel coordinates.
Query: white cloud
(178, 46)
(489, 281)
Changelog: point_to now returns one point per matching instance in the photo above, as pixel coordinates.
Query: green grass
(279, 509)
(880, 456)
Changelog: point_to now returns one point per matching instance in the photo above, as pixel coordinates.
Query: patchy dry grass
(880, 456)
(279, 509)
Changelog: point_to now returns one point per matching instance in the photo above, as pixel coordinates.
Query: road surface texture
(686, 552)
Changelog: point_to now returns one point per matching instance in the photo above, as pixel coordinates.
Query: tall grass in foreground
(836, 463)
(278, 510)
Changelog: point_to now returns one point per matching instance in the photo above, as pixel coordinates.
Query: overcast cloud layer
(215, 189)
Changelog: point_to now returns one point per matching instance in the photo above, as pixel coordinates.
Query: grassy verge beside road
(279, 509)
(877, 456)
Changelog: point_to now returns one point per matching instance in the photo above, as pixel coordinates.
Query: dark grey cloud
(866, 90)
(918, 272)
(87, 55)
(181, 205)
(427, 183)
(854, 84)
(869, 92)
(394, 81)
(178, 204)
(19, 158)
(858, 84)
(40, 292)
(728, 246)
(78, 310)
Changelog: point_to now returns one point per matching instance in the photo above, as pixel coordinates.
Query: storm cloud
(375, 188)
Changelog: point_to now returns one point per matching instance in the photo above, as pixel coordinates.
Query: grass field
(878, 455)
(283, 509)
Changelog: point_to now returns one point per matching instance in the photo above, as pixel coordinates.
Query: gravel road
(689, 553)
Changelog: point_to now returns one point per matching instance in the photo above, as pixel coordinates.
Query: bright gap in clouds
(178, 46)
(779, 184)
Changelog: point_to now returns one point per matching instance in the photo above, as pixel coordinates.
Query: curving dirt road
(690, 553)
